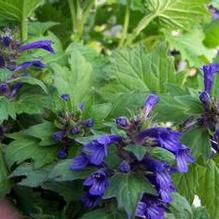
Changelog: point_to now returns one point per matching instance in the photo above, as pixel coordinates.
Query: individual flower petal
(150, 103)
(42, 44)
(58, 136)
(209, 74)
(205, 99)
(34, 63)
(16, 88)
(4, 88)
(79, 162)
(63, 153)
(75, 130)
(89, 123)
(91, 201)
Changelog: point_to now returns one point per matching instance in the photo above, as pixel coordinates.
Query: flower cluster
(210, 117)
(70, 125)
(157, 171)
(10, 50)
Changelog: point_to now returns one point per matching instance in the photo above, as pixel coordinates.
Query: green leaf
(191, 47)
(103, 214)
(27, 103)
(43, 131)
(5, 184)
(162, 154)
(128, 189)
(27, 148)
(198, 140)
(5, 74)
(8, 109)
(33, 177)
(183, 14)
(33, 81)
(138, 150)
(211, 32)
(139, 70)
(76, 81)
(209, 188)
(62, 172)
(18, 9)
(180, 207)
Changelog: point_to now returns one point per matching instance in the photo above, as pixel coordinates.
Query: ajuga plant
(147, 156)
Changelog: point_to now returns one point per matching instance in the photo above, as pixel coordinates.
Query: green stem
(73, 14)
(143, 23)
(126, 25)
(24, 29)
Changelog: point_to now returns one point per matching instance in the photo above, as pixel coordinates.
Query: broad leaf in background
(5, 183)
(26, 148)
(183, 14)
(128, 189)
(191, 47)
(211, 34)
(7, 109)
(18, 9)
(139, 70)
(198, 140)
(76, 81)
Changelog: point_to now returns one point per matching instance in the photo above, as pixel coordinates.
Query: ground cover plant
(109, 108)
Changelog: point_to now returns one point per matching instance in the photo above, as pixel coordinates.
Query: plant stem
(24, 29)
(126, 25)
(73, 14)
(143, 23)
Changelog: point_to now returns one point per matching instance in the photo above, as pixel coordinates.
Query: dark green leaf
(138, 150)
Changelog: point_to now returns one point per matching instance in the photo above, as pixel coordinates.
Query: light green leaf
(62, 172)
(26, 148)
(183, 14)
(138, 150)
(18, 9)
(5, 74)
(76, 80)
(128, 189)
(7, 109)
(211, 34)
(191, 47)
(162, 154)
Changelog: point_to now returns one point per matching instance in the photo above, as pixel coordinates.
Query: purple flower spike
(124, 167)
(42, 44)
(97, 183)
(150, 207)
(34, 63)
(150, 103)
(65, 97)
(209, 74)
(79, 162)
(122, 121)
(91, 201)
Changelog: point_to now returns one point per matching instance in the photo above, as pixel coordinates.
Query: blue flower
(42, 44)
(205, 99)
(89, 123)
(63, 153)
(81, 106)
(122, 121)
(209, 74)
(97, 183)
(58, 136)
(150, 207)
(75, 130)
(150, 103)
(183, 157)
(16, 88)
(91, 201)
(65, 97)
(80, 162)
(34, 63)
(165, 137)
(98, 148)
(124, 167)
(4, 88)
